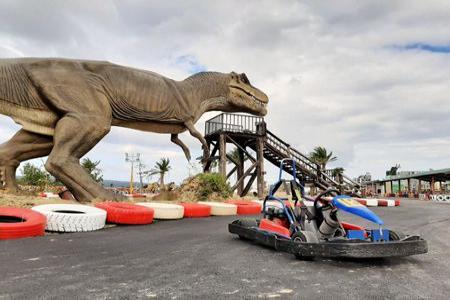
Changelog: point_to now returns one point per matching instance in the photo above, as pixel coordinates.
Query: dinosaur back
(16, 86)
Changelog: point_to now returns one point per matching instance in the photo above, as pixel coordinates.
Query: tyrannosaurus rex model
(65, 107)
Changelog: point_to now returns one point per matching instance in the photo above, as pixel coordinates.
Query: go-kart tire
(16, 223)
(396, 235)
(126, 213)
(221, 209)
(196, 210)
(304, 237)
(165, 211)
(72, 217)
(247, 223)
(246, 207)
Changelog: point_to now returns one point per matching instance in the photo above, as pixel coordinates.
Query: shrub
(32, 175)
(212, 185)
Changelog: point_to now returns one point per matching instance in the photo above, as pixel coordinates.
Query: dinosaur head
(244, 97)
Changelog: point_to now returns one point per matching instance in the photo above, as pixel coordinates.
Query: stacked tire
(246, 207)
(165, 211)
(126, 213)
(72, 217)
(196, 210)
(16, 223)
(221, 209)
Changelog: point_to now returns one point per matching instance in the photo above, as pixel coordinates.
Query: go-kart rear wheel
(396, 235)
(304, 237)
(247, 223)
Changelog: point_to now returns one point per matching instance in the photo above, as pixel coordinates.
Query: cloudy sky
(369, 80)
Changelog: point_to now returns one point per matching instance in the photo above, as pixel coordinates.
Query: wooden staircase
(245, 132)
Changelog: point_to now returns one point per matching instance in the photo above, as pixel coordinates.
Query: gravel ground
(199, 259)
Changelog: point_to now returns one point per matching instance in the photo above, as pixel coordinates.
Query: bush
(212, 185)
(32, 175)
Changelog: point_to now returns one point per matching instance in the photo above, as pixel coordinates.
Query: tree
(92, 168)
(32, 175)
(338, 173)
(161, 168)
(234, 155)
(321, 156)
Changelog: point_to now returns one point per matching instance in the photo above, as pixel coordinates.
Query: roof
(438, 175)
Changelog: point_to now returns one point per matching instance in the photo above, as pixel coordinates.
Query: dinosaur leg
(24, 145)
(174, 138)
(194, 132)
(76, 134)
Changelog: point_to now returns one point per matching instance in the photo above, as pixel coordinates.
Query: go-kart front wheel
(304, 237)
(396, 235)
(248, 223)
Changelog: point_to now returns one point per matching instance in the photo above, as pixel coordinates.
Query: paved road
(197, 258)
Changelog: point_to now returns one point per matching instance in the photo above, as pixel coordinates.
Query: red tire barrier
(18, 223)
(382, 203)
(397, 202)
(362, 201)
(196, 210)
(126, 213)
(246, 207)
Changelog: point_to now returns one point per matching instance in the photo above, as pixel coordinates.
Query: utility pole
(140, 166)
(132, 158)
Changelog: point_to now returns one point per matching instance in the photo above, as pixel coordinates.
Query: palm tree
(92, 168)
(161, 168)
(321, 156)
(234, 156)
(338, 173)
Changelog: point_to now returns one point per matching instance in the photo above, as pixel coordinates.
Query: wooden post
(223, 155)
(240, 171)
(260, 166)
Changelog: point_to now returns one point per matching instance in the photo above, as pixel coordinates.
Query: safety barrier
(440, 198)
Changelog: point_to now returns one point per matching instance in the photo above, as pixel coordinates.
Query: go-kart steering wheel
(319, 198)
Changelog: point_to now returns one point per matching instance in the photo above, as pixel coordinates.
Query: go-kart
(314, 230)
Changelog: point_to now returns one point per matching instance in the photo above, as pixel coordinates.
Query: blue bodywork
(354, 207)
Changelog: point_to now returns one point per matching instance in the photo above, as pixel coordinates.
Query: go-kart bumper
(411, 245)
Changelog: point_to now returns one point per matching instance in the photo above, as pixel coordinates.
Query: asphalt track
(199, 259)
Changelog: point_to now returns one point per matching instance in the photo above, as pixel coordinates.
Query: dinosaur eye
(244, 78)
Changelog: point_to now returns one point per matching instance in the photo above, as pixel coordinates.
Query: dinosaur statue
(65, 107)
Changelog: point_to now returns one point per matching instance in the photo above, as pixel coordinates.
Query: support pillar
(399, 186)
(385, 188)
(260, 166)
(222, 155)
(419, 186)
(432, 185)
(240, 171)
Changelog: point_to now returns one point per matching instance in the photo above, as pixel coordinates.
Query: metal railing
(235, 123)
(302, 161)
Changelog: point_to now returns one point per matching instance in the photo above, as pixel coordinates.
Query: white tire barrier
(371, 202)
(72, 217)
(390, 202)
(221, 209)
(165, 211)
(440, 198)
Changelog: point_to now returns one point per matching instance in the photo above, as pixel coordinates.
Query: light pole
(132, 158)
